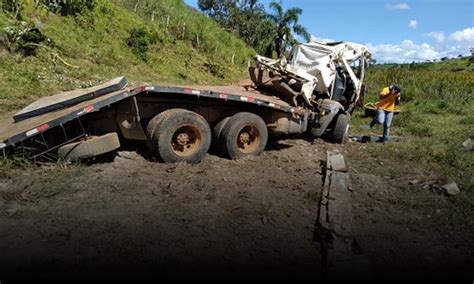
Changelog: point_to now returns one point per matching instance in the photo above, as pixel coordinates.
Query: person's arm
(397, 98)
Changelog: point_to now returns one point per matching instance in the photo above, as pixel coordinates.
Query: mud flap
(128, 119)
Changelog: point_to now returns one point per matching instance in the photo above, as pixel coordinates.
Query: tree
(286, 22)
(246, 19)
(218, 10)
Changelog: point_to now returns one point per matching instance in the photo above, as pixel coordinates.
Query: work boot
(372, 123)
(383, 139)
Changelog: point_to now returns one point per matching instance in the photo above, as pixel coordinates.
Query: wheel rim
(248, 139)
(186, 140)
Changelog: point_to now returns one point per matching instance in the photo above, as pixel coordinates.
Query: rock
(12, 211)
(337, 162)
(468, 145)
(413, 182)
(451, 188)
(131, 155)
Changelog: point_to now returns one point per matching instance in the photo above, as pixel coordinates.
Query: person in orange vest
(389, 96)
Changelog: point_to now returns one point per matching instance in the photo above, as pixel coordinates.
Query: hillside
(46, 48)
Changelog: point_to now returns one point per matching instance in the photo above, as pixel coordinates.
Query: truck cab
(325, 79)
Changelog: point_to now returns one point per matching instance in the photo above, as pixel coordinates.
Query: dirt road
(129, 216)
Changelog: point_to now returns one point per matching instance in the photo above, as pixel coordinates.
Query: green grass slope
(160, 42)
(437, 116)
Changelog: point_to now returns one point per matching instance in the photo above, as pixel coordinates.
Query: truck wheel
(179, 135)
(217, 139)
(341, 129)
(244, 134)
(91, 147)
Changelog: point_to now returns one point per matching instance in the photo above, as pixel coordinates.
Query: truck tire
(177, 135)
(244, 134)
(341, 129)
(91, 147)
(217, 139)
(151, 128)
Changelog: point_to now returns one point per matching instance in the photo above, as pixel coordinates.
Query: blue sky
(395, 31)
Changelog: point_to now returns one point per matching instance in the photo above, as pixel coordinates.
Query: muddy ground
(128, 216)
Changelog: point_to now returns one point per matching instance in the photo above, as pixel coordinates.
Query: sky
(394, 31)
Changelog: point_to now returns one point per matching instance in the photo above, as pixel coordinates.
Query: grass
(463, 64)
(84, 50)
(437, 116)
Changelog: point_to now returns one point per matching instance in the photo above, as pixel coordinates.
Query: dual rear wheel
(241, 135)
(181, 135)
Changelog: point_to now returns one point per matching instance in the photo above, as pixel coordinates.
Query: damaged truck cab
(323, 79)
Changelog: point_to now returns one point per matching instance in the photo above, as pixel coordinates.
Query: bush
(138, 41)
(23, 38)
(215, 69)
(9, 5)
(69, 7)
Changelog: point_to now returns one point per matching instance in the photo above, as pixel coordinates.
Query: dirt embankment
(255, 216)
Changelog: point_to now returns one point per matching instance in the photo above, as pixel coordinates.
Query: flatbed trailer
(314, 91)
(143, 113)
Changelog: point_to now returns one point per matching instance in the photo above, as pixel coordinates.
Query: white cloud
(438, 36)
(413, 24)
(320, 39)
(466, 35)
(408, 51)
(399, 6)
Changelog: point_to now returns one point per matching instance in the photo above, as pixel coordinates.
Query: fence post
(136, 6)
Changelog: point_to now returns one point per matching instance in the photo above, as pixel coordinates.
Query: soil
(126, 215)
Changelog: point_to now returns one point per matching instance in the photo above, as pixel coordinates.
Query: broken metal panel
(12, 132)
(70, 98)
(356, 82)
(317, 60)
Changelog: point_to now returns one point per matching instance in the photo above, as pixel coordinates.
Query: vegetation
(285, 22)
(266, 33)
(69, 8)
(437, 116)
(49, 46)
(454, 64)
